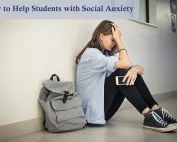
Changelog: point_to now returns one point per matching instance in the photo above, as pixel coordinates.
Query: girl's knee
(121, 72)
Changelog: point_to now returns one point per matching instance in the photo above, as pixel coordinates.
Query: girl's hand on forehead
(116, 31)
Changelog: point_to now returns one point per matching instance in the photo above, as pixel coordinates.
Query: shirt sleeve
(102, 63)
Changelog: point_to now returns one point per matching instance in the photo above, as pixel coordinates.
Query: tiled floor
(125, 126)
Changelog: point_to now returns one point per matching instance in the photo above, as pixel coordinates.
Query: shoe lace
(166, 113)
(158, 118)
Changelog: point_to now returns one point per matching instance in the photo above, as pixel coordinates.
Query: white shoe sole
(175, 124)
(167, 129)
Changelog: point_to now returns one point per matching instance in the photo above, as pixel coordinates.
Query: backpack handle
(51, 78)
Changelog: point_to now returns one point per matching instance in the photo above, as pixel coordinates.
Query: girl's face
(107, 42)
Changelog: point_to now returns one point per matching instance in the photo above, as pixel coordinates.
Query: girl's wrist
(136, 70)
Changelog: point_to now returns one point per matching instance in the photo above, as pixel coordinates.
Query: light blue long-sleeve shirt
(92, 70)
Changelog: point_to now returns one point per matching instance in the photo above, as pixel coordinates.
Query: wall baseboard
(13, 130)
(30, 126)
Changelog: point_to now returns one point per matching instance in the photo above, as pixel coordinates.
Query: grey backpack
(62, 106)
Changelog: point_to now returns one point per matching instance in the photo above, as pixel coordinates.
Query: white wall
(31, 50)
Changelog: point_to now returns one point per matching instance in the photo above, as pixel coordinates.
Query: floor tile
(121, 129)
(125, 126)
(78, 137)
(130, 114)
(3, 135)
(33, 137)
(164, 137)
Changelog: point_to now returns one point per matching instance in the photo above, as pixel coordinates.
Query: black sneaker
(165, 115)
(154, 122)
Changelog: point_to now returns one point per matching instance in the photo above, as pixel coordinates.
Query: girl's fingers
(116, 26)
(128, 81)
(113, 29)
(133, 80)
(125, 77)
(113, 25)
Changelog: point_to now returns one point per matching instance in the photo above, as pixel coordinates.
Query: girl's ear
(101, 36)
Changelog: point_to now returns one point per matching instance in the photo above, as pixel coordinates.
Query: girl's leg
(146, 95)
(144, 92)
(114, 98)
(114, 106)
(114, 95)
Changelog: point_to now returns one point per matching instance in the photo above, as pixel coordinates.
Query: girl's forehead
(111, 36)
